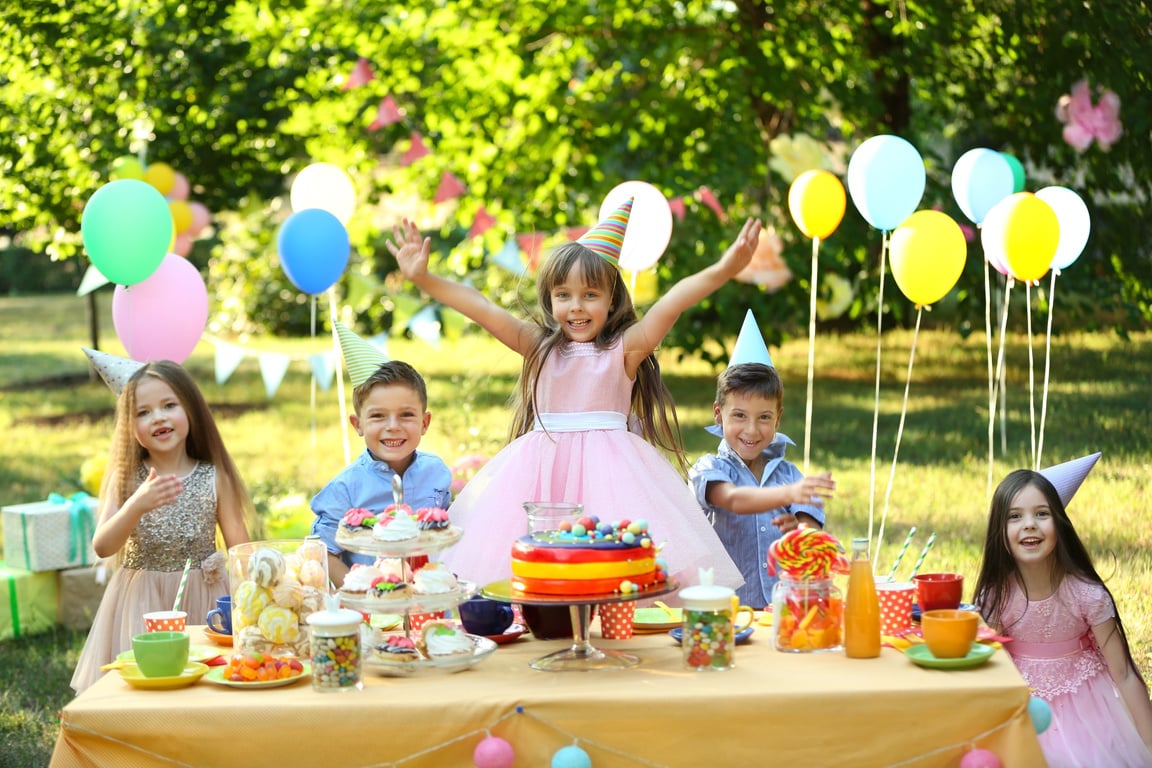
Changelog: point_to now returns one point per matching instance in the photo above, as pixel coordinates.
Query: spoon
(672, 612)
(397, 490)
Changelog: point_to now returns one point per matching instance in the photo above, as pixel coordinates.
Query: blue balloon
(980, 179)
(314, 249)
(1040, 713)
(886, 180)
(571, 757)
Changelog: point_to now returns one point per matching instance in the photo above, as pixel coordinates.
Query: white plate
(482, 648)
(216, 675)
(424, 544)
(410, 601)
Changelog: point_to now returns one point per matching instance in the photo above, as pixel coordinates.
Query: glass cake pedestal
(582, 656)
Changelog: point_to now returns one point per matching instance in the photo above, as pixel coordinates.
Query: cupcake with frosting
(433, 519)
(398, 648)
(398, 528)
(389, 586)
(434, 579)
(361, 577)
(445, 640)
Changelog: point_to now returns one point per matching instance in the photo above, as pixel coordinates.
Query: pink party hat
(1068, 476)
(114, 370)
(607, 237)
(750, 346)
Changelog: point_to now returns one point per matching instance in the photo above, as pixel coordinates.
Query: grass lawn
(54, 417)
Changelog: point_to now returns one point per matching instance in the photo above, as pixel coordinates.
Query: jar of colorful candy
(337, 661)
(807, 615)
(708, 634)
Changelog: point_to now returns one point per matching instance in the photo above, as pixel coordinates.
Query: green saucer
(980, 653)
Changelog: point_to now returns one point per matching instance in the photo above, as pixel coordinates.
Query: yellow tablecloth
(773, 708)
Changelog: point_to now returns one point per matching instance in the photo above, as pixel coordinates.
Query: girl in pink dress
(1037, 585)
(589, 383)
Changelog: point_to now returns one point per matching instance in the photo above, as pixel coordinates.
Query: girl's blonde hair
(652, 403)
(204, 442)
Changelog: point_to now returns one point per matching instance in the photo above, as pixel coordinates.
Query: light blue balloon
(980, 179)
(1040, 713)
(886, 180)
(571, 757)
(314, 249)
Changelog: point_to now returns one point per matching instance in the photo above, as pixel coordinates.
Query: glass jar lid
(707, 597)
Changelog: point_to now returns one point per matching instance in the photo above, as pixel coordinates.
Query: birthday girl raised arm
(588, 375)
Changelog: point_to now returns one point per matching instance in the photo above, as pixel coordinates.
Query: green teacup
(160, 654)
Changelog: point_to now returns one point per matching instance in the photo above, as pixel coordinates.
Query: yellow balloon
(642, 285)
(181, 215)
(127, 167)
(928, 252)
(161, 176)
(1027, 231)
(816, 200)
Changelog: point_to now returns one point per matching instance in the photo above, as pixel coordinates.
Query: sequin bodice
(165, 538)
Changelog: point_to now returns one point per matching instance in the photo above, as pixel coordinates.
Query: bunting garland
(274, 366)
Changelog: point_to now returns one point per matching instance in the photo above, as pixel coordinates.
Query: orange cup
(616, 620)
(166, 621)
(949, 634)
(895, 606)
(936, 591)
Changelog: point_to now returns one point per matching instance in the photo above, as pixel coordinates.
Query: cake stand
(581, 656)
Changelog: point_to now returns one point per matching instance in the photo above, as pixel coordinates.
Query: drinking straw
(920, 560)
(183, 583)
(900, 554)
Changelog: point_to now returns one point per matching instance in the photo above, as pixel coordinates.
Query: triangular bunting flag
(508, 258)
(416, 151)
(450, 187)
(531, 245)
(575, 233)
(481, 223)
(228, 358)
(114, 370)
(426, 326)
(360, 357)
(678, 209)
(386, 114)
(709, 199)
(750, 346)
(92, 280)
(360, 75)
(323, 365)
(273, 366)
(1068, 477)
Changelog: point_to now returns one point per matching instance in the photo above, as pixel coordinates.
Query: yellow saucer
(134, 677)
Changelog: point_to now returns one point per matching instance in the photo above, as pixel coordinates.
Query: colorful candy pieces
(809, 621)
(807, 553)
(252, 668)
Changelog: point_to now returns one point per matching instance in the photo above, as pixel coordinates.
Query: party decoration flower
(649, 223)
(980, 179)
(1075, 223)
(1021, 232)
(795, 154)
(1085, 122)
(886, 179)
(767, 268)
(836, 296)
(928, 252)
(163, 316)
(126, 227)
(817, 201)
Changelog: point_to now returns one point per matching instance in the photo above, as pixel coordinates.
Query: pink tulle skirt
(1091, 728)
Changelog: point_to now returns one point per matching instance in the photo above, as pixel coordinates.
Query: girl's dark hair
(998, 568)
(652, 403)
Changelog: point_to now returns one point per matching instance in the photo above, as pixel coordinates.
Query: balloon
(1040, 713)
(127, 167)
(649, 224)
(928, 252)
(886, 180)
(164, 316)
(182, 244)
(180, 187)
(980, 758)
(493, 752)
(980, 179)
(816, 200)
(201, 218)
(571, 757)
(314, 249)
(126, 227)
(324, 186)
(1075, 223)
(1017, 172)
(161, 176)
(181, 215)
(1022, 230)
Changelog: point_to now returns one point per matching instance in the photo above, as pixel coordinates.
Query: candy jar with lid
(337, 660)
(708, 635)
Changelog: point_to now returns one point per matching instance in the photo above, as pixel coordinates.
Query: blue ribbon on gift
(82, 524)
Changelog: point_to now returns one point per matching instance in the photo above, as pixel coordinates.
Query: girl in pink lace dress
(588, 370)
(1037, 584)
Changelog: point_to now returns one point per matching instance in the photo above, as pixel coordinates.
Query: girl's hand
(158, 490)
(411, 251)
(740, 253)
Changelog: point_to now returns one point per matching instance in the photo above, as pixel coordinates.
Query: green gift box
(50, 535)
(28, 601)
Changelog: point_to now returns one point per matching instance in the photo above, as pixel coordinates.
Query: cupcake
(361, 577)
(356, 526)
(433, 519)
(397, 648)
(396, 529)
(388, 587)
(434, 579)
(444, 640)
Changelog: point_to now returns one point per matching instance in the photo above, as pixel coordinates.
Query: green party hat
(360, 358)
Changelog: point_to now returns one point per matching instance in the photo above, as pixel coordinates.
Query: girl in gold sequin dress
(170, 483)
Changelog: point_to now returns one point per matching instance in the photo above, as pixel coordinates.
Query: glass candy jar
(807, 615)
(708, 633)
(337, 659)
(275, 585)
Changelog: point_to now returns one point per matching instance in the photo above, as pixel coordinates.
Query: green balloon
(127, 229)
(1017, 172)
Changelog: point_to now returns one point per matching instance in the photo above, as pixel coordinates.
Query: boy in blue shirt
(752, 494)
(390, 411)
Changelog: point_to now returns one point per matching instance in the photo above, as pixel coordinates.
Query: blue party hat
(750, 346)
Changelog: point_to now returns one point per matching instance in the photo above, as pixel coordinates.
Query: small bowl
(936, 591)
(949, 634)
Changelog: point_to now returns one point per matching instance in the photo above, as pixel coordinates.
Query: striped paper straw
(920, 560)
(183, 583)
(900, 554)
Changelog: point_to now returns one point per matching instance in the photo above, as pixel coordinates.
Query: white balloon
(991, 237)
(324, 186)
(649, 224)
(1075, 223)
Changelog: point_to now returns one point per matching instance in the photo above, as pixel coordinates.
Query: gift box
(80, 590)
(28, 602)
(50, 535)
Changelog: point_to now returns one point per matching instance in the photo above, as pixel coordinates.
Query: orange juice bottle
(861, 607)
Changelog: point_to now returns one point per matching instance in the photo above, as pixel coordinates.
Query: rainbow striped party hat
(607, 237)
(360, 358)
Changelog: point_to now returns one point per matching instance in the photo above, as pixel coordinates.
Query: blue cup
(219, 619)
(481, 616)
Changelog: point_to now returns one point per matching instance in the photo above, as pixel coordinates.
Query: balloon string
(312, 399)
(1031, 372)
(811, 351)
(899, 435)
(991, 380)
(1000, 354)
(1047, 366)
(876, 404)
(339, 374)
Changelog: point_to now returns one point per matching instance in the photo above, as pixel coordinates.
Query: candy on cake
(442, 640)
(433, 519)
(390, 586)
(434, 579)
(356, 525)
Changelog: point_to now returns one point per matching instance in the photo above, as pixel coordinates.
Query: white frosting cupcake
(360, 578)
(442, 640)
(434, 579)
(399, 528)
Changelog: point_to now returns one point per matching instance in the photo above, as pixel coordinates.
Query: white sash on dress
(581, 421)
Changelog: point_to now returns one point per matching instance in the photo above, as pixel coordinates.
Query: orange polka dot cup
(895, 606)
(616, 620)
(166, 621)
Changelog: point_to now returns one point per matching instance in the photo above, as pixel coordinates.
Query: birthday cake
(587, 557)
(396, 525)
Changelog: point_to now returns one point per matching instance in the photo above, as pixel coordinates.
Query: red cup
(939, 591)
(616, 620)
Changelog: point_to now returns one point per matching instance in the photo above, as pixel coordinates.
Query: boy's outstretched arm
(411, 252)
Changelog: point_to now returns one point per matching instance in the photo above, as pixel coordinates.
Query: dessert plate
(482, 648)
(507, 636)
(217, 637)
(216, 675)
(657, 619)
(742, 637)
(980, 653)
(196, 653)
(409, 600)
(135, 678)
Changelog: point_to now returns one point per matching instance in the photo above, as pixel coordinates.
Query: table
(774, 708)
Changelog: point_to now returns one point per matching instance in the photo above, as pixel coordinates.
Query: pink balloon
(980, 758)
(182, 245)
(163, 316)
(493, 752)
(201, 217)
(180, 187)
